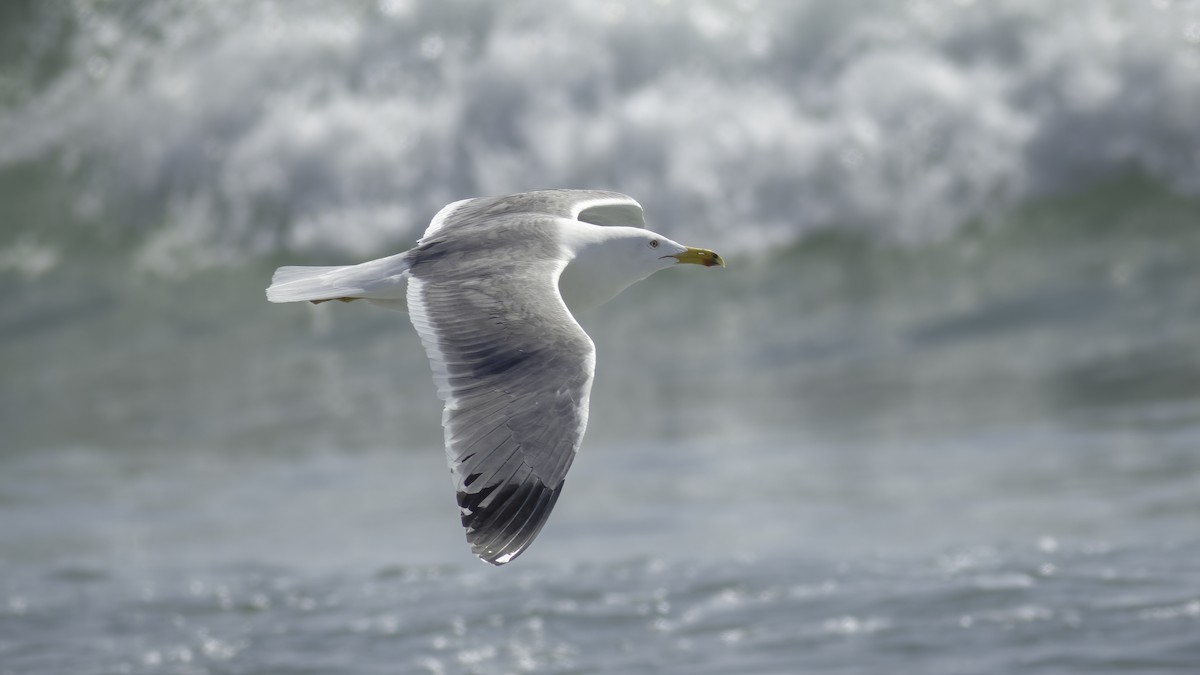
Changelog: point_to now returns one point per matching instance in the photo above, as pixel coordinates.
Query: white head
(609, 259)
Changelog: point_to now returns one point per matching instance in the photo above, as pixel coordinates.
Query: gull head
(615, 258)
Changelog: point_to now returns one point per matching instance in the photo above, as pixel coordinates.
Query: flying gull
(490, 288)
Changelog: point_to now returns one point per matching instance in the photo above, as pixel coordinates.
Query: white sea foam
(253, 126)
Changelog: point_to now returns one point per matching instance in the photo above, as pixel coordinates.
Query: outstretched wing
(597, 207)
(514, 370)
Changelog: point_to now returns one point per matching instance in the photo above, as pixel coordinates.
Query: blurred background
(942, 409)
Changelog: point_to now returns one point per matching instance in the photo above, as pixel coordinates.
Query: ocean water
(940, 414)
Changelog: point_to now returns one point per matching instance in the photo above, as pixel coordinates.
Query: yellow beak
(698, 256)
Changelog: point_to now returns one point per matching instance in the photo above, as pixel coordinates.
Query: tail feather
(294, 284)
(285, 275)
(383, 279)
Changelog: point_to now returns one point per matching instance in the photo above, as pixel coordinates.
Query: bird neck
(600, 266)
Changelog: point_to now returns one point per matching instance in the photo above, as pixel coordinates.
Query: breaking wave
(193, 132)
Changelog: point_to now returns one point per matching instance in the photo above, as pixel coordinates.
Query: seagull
(490, 288)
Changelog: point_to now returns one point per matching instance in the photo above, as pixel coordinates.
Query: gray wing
(514, 370)
(597, 207)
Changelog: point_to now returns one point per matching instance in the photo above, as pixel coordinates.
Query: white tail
(382, 279)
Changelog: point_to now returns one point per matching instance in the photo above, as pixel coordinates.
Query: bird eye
(653, 243)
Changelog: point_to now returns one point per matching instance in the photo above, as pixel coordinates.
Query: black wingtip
(501, 531)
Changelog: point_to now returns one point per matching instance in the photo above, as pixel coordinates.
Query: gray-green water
(941, 414)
